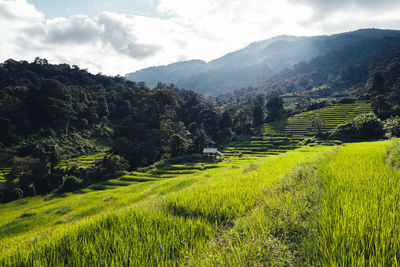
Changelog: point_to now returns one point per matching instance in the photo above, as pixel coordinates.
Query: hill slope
(253, 63)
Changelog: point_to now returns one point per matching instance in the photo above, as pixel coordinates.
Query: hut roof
(210, 150)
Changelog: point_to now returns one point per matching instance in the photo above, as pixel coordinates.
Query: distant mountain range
(256, 63)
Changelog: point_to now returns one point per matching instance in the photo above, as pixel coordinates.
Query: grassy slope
(336, 208)
(143, 223)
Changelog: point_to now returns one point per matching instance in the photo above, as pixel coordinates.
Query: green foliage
(179, 145)
(317, 124)
(383, 86)
(114, 163)
(43, 100)
(151, 131)
(347, 100)
(391, 126)
(307, 141)
(366, 126)
(140, 217)
(275, 108)
(258, 110)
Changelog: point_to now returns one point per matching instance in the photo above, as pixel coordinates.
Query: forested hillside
(261, 60)
(56, 103)
(340, 73)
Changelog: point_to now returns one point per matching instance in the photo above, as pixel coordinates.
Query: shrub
(365, 126)
(114, 163)
(392, 127)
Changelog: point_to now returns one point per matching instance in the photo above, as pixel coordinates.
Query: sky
(121, 36)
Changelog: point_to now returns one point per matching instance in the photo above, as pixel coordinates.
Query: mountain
(254, 63)
(169, 73)
(338, 72)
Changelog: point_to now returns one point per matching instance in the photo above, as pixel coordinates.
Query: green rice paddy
(283, 135)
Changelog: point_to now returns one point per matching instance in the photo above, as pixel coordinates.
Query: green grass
(359, 223)
(128, 225)
(318, 205)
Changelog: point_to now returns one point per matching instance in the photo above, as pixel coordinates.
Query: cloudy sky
(120, 36)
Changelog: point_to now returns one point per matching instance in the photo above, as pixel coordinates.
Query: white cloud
(118, 43)
(107, 43)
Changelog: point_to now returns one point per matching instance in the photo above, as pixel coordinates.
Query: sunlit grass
(129, 225)
(359, 222)
(321, 205)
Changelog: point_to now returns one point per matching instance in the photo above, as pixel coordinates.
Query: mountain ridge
(252, 64)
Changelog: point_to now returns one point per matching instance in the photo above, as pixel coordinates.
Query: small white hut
(213, 151)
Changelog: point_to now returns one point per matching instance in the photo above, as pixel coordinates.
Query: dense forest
(40, 100)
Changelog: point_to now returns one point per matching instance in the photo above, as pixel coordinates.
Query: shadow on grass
(21, 224)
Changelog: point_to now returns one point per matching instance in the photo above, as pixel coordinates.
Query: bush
(114, 163)
(363, 127)
(70, 183)
(392, 127)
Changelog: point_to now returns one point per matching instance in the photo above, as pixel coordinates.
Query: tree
(226, 120)
(179, 145)
(317, 124)
(275, 107)
(258, 110)
(200, 141)
(242, 121)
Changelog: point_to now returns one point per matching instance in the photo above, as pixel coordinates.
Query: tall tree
(258, 110)
(275, 107)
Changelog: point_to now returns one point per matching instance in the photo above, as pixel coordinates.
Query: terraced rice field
(300, 125)
(168, 171)
(83, 161)
(283, 135)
